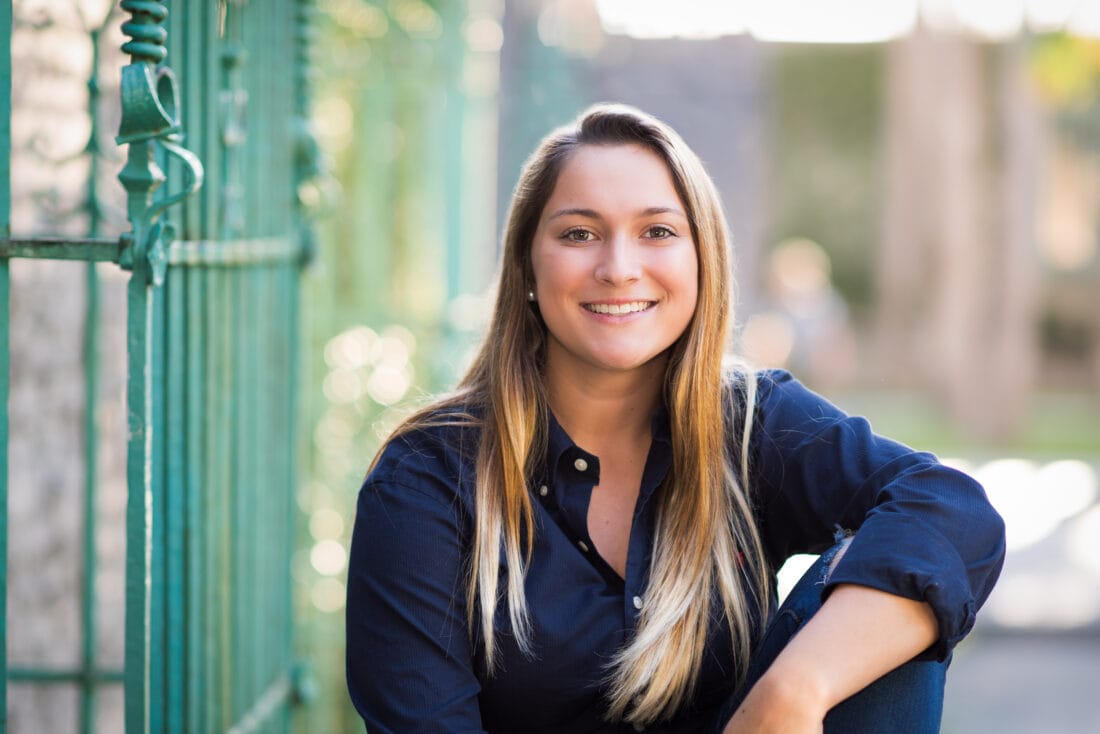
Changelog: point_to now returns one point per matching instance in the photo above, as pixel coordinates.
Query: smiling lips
(617, 309)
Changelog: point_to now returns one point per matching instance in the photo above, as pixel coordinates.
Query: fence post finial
(150, 117)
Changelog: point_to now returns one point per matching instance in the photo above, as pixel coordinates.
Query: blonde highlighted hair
(707, 554)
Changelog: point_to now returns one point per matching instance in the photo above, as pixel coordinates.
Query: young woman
(584, 536)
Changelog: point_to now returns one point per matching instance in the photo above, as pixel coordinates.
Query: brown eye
(659, 232)
(578, 235)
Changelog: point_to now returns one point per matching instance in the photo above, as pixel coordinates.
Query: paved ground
(1024, 684)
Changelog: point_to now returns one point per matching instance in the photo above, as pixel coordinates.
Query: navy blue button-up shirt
(926, 532)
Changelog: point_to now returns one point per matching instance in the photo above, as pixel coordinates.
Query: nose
(619, 261)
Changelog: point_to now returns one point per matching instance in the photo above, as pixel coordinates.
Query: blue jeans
(908, 700)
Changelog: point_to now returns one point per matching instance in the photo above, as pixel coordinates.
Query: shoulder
(779, 399)
(433, 455)
(782, 414)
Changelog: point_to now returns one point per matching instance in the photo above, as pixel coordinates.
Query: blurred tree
(956, 277)
(1067, 71)
(826, 120)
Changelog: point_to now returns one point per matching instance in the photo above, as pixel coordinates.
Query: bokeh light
(1055, 598)
(387, 385)
(328, 557)
(1083, 540)
(327, 594)
(484, 35)
(1034, 500)
(326, 524)
(768, 338)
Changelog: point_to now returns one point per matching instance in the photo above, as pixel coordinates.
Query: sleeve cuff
(931, 560)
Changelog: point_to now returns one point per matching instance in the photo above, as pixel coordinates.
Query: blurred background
(914, 198)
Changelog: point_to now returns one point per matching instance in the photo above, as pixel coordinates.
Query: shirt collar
(559, 445)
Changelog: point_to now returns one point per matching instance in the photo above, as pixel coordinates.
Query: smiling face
(614, 262)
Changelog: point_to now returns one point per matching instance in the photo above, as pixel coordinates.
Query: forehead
(614, 177)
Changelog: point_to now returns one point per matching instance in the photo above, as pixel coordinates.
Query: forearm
(857, 636)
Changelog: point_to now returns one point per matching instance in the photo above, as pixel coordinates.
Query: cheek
(534, 260)
(689, 302)
(559, 274)
(687, 278)
(544, 268)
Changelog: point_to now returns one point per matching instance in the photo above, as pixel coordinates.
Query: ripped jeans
(908, 700)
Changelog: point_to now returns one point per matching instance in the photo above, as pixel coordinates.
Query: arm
(926, 532)
(409, 663)
(926, 554)
(857, 636)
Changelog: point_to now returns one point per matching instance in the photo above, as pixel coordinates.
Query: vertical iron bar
(287, 344)
(214, 433)
(174, 481)
(88, 656)
(214, 325)
(268, 539)
(252, 634)
(209, 50)
(289, 386)
(259, 79)
(195, 528)
(194, 704)
(195, 50)
(233, 97)
(238, 439)
(156, 490)
(139, 505)
(187, 672)
(168, 560)
(91, 443)
(223, 489)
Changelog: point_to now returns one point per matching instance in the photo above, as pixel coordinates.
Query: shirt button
(581, 465)
(544, 490)
(637, 602)
(582, 545)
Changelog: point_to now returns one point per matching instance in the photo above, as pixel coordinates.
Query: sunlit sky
(843, 21)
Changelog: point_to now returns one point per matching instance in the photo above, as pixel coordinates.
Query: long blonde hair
(706, 540)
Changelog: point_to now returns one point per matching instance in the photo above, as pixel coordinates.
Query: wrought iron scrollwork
(150, 117)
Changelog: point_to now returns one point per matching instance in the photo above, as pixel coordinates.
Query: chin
(623, 362)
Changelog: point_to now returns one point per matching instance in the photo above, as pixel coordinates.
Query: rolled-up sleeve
(925, 531)
(409, 662)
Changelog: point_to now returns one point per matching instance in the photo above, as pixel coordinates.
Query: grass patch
(1057, 425)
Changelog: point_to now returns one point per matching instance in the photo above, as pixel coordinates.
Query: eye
(659, 232)
(578, 234)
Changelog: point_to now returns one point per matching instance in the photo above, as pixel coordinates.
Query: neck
(605, 409)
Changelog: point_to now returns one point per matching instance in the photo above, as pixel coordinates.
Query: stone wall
(52, 63)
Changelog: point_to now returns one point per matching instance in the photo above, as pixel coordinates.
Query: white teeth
(618, 308)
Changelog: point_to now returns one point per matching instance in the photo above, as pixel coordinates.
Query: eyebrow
(593, 214)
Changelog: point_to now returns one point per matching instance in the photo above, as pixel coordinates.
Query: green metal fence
(214, 253)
